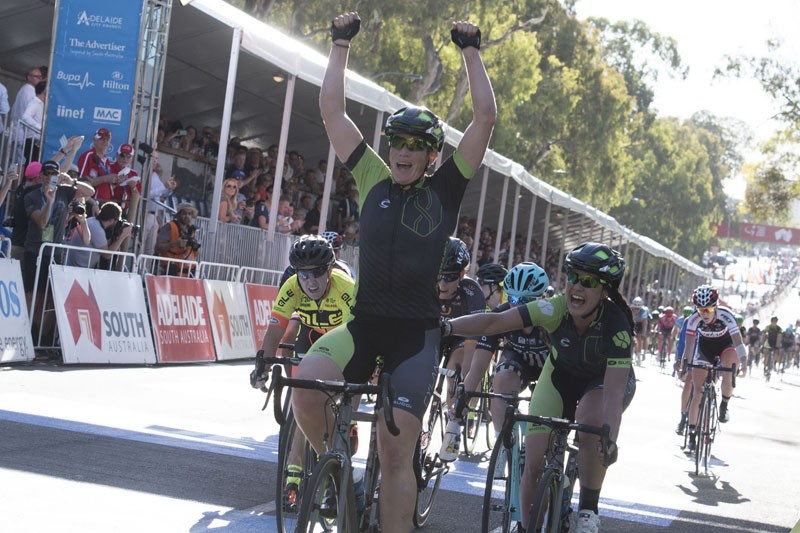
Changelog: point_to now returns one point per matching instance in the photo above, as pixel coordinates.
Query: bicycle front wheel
(497, 501)
(546, 510)
(473, 426)
(429, 467)
(702, 432)
(323, 506)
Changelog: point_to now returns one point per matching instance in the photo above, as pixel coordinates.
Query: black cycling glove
(347, 33)
(258, 371)
(464, 41)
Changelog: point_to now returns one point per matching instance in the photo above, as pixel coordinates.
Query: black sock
(589, 499)
(724, 400)
(692, 430)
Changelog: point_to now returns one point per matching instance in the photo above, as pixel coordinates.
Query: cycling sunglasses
(414, 144)
(447, 277)
(586, 280)
(513, 300)
(317, 272)
(707, 309)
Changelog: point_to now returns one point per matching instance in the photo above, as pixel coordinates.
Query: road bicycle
(552, 503)
(500, 511)
(428, 466)
(478, 415)
(328, 500)
(707, 419)
(287, 502)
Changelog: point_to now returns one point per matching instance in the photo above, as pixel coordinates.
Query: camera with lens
(121, 225)
(188, 235)
(77, 208)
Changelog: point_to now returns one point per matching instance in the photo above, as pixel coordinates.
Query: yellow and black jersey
(331, 311)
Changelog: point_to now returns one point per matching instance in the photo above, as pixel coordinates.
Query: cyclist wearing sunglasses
(320, 297)
(460, 296)
(712, 328)
(588, 376)
(406, 216)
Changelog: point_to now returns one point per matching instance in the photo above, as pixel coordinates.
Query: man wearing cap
(131, 184)
(94, 165)
(176, 237)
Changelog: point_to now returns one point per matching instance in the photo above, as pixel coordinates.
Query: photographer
(176, 239)
(107, 232)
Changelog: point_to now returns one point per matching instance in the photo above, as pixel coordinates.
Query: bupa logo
(109, 115)
(81, 81)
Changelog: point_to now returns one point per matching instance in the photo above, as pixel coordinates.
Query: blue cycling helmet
(525, 282)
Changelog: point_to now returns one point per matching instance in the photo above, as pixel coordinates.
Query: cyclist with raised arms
(320, 297)
(459, 296)
(712, 329)
(407, 215)
(525, 350)
(588, 376)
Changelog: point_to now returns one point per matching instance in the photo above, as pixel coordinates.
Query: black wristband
(446, 327)
(463, 41)
(347, 33)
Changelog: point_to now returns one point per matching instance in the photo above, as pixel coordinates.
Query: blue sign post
(93, 71)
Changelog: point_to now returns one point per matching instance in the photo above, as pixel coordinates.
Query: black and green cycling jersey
(403, 232)
(607, 342)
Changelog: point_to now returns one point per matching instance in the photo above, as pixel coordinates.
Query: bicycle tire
(477, 420)
(370, 518)
(312, 517)
(496, 512)
(711, 433)
(286, 521)
(546, 508)
(702, 428)
(430, 466)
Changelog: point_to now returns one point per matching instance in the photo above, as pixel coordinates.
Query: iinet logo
(70, 112)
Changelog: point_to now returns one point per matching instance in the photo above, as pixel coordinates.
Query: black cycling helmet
(493, 273)
(456, 256)
(598, 259)
(311, 251)
(418, 122)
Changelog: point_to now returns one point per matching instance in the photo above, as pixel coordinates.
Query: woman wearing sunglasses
(713, 330)
(460, 296)
(406, 215)
(588, 376)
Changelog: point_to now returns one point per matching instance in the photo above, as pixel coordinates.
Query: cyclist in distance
(459, 296)
(682, 370)
(666, 331)
(772, 334)
(641, 315)
(712, 329)
(407, 214)
(525, 350)
(336, 241)
(320, 297)
(753, 343)
(588, 376)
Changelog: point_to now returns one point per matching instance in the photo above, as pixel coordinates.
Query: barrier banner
(260, 299)
(16, 342)
(179, 316)
(101, 315)
(93, 71)
(230, 319)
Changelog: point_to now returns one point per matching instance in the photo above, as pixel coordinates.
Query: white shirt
(25, 94)
(157, 192)
(32, 118)
(4, 107)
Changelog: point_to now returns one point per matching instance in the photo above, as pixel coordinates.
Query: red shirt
(117, 192)
(92, 166)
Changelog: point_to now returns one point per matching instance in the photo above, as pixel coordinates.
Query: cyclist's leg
(456, 358)
(547, 400)
(507, 380)
(728, 358)
(410, 356)
(479, 364)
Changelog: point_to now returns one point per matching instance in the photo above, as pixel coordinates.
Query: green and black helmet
(418, 122)
(597, 259)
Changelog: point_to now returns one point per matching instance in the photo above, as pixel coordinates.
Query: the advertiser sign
(101, 316)
(16, 343)
(761, 232)
(260, 299)
(180, 319)
(230, 319)
(93, 72)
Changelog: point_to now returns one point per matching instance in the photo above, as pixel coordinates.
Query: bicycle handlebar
(717, 368)
(384, 390)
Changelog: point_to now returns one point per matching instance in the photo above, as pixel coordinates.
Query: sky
(706, 31)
